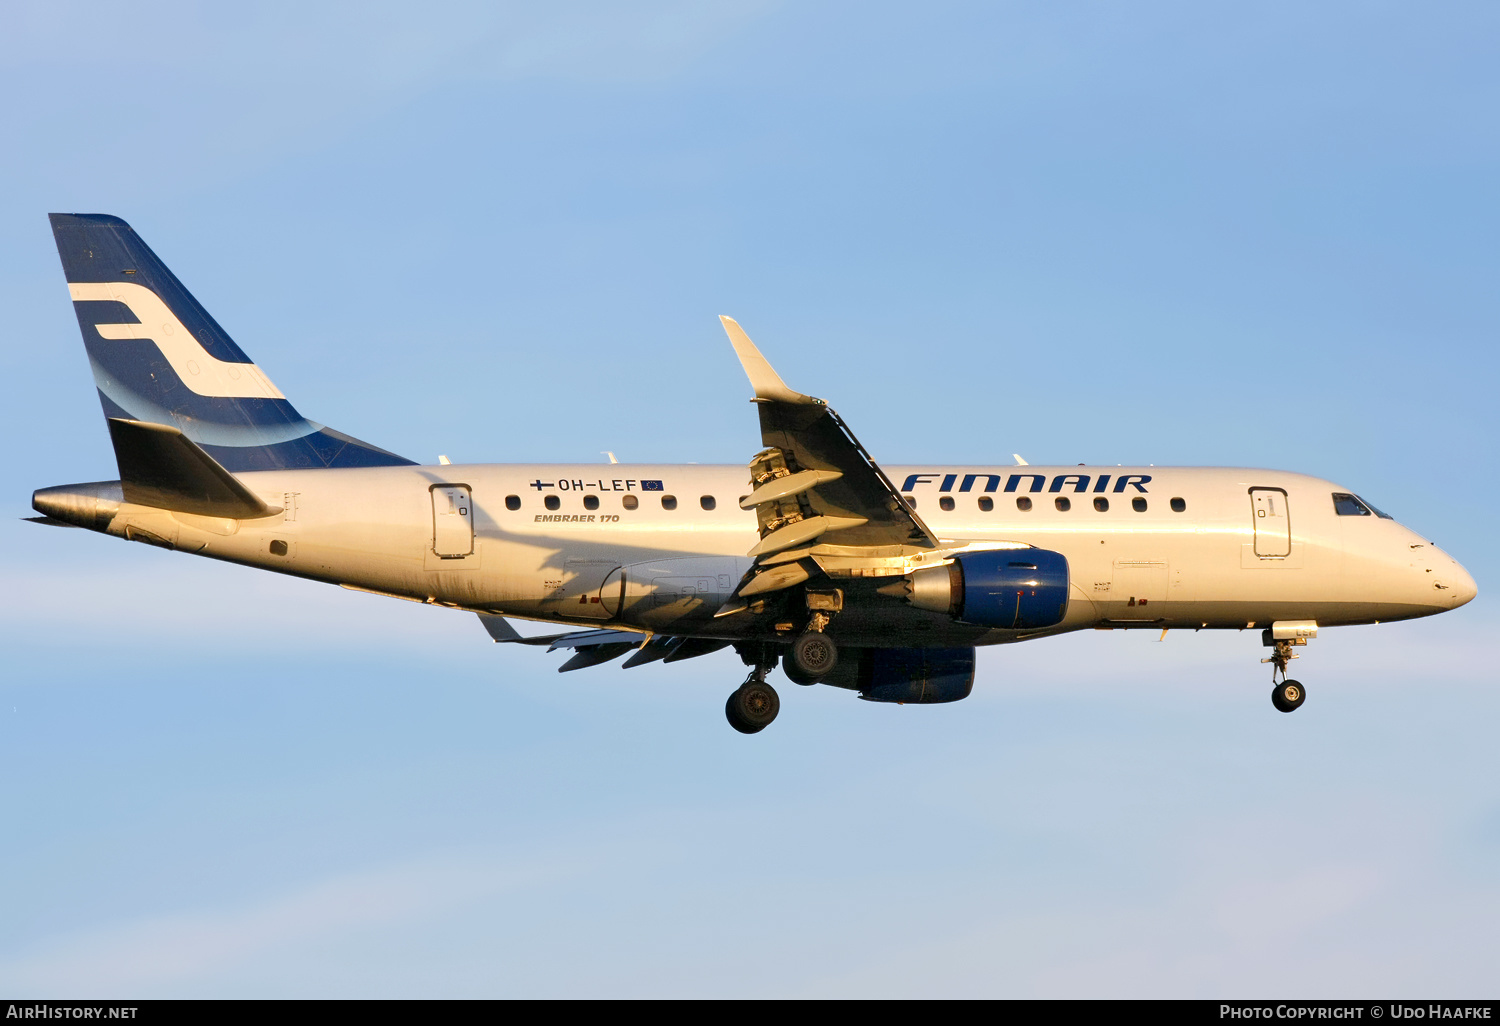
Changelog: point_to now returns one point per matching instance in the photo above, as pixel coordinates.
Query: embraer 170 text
(816, 560)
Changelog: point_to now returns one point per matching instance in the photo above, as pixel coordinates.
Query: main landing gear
(814, 655)
(1288, 695)
(754, 704)
(752, 707)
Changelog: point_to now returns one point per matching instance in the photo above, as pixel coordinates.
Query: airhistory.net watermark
(43, 1010)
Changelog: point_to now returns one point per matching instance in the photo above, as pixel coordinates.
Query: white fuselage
(1247, 548)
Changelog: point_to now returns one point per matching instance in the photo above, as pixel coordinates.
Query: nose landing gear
(1288, 695)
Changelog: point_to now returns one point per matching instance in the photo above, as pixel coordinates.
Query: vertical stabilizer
(158, 357)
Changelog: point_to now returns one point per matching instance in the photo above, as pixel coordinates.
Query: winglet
(766, 382)
(498, 627)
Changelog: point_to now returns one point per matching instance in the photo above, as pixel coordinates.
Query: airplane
(879, 580)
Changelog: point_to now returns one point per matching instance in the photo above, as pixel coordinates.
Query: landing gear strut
(814, 655)
(1288, 695)
(754, 704)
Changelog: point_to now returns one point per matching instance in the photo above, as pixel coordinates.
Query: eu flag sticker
(651, 486)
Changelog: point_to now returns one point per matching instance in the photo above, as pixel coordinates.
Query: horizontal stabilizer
(161, 467)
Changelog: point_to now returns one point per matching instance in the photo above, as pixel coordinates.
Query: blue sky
(1085, 232)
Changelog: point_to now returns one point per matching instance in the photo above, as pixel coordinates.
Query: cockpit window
(1346, 505)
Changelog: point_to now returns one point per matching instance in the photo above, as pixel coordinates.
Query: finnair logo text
(1035, 482)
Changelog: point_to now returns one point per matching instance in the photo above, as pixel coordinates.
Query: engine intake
(1014, 589)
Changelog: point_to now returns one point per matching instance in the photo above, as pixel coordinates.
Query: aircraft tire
(752, 707)
(1288, 696)
(813, 656)
(796, 676)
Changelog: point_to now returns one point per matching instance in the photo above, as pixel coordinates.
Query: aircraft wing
(815, 484)
(590, 648)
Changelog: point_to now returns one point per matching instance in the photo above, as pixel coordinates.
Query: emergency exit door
(1273, 525)
(452, 521)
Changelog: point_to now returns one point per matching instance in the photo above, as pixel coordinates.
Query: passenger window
(1139, 505)
(278, 548)
(707, 502)
(946, 503)
(1346, 505)
(986, 504)
(1178, 505)
(669, 502)
(552, 502)
(911, 500)
(630, 502)
(1023, 503)
(1102, 504)
(512, 502)
(591, 502)
(1063, 505)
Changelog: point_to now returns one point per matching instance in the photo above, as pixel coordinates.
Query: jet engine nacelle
(921, 676)
(1015, 589)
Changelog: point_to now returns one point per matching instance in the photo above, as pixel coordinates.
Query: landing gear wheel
(796, 676)
(752, 707)
(1288, 695)
(813, 657)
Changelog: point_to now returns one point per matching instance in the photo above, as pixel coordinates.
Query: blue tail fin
(158, 356)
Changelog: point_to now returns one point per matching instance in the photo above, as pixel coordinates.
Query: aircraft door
(452, 521)
(1273, 524)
